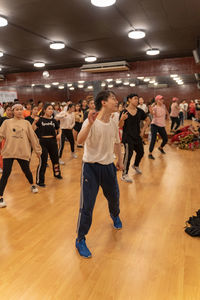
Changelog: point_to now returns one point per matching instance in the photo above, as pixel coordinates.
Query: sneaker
(116, 222)
(2, 203)
(1, 170)
(83, 249)
(137, 169)
(41, 184)
(74, 155)
(58, 176)
(61, 162)
(126, 178)
(34, 189)
(161, 150)
(150, 156)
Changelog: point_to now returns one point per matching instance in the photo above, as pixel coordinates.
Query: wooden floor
(151, 258)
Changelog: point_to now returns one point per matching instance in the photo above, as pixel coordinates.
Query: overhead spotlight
(0, 69)
(1, 53)
(126, 83)
(57, 45)
(153, 51)
(136, 34)
(152, 81)
(45, 74)
(71, 88)
(110, 86)
(140, 78)
(103, 3)
(80, 86)
(55, 83)
(155, 83)
(47, 86)
(3, 22)
(81, 81)
(33, 84)
(61, 87)
(146, 79)
(176, 78)
(118, 81)
(132, 84)
(90, 58)
(173, 75)
(103, 84)
(39, 64)
(69, 84)
(128, 75)
(90, 87)
(180, 83)
(109, 79)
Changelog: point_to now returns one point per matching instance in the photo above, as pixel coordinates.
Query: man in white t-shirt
(100, 136)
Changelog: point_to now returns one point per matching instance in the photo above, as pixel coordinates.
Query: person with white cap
(159, 112)
(174, 115)
(20, 138)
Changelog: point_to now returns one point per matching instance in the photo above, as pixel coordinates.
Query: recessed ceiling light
(47, 86)
(153, 51)
(103, 3)
(39, 64)
(136, 34)
(90, 58)
(146, 79)
(173, 75)
(152, 81)
(3, 22)
(126, 83)
(55, 83)
(45, 74)
(80, 86)
(61, 87)
(109, 79)
(33, 84)
(90, 87)
(57, 45)
(103, 84)
(0, 69)
(1, 53)
(69, 84)
(155, 83)
(132, 84)
(81, 81)
(110, 86)
(71, 88)
(140, 78)
(180, 83)
(118, 81)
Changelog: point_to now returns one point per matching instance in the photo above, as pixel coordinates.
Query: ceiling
(172, 26)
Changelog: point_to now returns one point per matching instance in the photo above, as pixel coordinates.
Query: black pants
(130, 146)
(66, 133)
(175, 120)
(7, 168)
(93, 176)
(181, 118)
(49, 146)
(163, 134)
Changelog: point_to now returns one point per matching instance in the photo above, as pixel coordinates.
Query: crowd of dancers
(101, 126)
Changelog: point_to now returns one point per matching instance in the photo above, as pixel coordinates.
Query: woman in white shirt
(67, 122)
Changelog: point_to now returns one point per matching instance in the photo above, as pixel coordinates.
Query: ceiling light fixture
(69, 84)
(61, 87)
(118, 81)
(0, 69)
(103, 84)
(173, 75)
(81, 81)
(110, 86)
(103, 3)
(155, 83)
(126, 83)
(1, 53)
(152, 81)
(146, 79)
(90, 87)
(132, 84)
(45, 74)
(33, 84)
(136, 34)
(80, 86)
(109, 79)
(39, 64)
(180, 83)
(153, 51)
(3, 22)
(47, 86)
(71, 88)
(140, 78)
(57, 45)
(55, 83)
(90, 58)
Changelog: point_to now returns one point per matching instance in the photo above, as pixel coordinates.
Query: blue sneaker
(82, 248)
(117, 222)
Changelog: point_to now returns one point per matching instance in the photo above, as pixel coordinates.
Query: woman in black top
(49, 133)
(31, 118)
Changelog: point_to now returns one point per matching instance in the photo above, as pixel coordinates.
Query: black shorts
(78, 126)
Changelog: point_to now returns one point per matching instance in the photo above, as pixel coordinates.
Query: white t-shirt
(143, 107)
(99, 145)
(115, 117)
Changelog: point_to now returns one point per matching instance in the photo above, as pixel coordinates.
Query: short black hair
(132, 95)
(102, 96)
(70, 106)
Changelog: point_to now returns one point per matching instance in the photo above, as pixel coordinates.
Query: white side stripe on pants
(81, 199)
